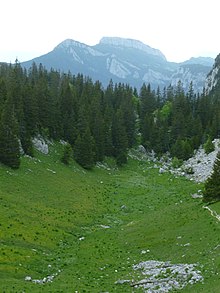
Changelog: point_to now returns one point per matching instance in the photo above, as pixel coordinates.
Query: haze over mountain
(124, 60)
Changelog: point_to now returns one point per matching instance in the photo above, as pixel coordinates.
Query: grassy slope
(46, 208)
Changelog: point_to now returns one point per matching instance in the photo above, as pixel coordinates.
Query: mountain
(124, 60)
(206, 61)
(212, 82)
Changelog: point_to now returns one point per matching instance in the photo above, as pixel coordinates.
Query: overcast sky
(179, 28)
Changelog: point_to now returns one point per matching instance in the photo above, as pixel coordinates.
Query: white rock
(40, 144)
(162, 170)
(27, 278)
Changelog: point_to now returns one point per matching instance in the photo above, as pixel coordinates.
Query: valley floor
(64, 229)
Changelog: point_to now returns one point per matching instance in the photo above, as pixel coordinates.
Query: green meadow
(88, 228)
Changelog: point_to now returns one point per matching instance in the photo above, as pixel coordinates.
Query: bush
(176, 163)
(182, 149)
(209, 146)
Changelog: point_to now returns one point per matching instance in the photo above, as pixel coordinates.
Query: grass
(90, 227)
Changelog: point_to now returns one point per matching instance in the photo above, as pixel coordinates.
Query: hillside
(213, 79)
(126, 61)
(65, 229)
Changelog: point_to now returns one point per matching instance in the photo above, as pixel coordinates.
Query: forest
(96, 122)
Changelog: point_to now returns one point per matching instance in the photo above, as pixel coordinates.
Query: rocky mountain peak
(73, 48)
(131, 43)
(68, 43)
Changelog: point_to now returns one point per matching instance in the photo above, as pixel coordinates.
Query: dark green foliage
(181, 149)
(66, 107)
(177, 122)
(9, 144)
(84, 149)
(146, 112)
(67, 154)
(119, 138)
(209, 146)
(70, 107)
(67, 112)
(26, 143)
(3, 94)
(212, 184)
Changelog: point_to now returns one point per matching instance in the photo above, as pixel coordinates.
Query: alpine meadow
(94, 195)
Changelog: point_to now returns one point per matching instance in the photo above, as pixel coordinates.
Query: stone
(27, 278)
(164, 276)
(40, 144)
(162, 170)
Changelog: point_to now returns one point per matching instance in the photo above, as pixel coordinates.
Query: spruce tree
(209, 145)
(67, 154)
(212, 184)
(68, 112)
(3, 94)
(119, 138)
(9, 144)
(84, 149)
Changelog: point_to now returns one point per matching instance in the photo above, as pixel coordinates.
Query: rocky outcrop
(40, 144)
(163, 276)
(197, 168)
(194, 73)
(201, 164)
(214, 76)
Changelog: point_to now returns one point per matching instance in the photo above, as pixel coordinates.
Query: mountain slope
(213, 79)
(123, 60)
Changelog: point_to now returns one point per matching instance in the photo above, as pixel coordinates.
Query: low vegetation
(67, 229)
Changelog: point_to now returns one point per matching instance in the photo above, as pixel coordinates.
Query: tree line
(97, 122)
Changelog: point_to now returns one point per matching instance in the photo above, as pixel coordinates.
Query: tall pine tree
(212, 184)
(84, 149)
(9, 143)
(119, 138)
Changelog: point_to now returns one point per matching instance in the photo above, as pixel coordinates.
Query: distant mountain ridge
(207, 61)
(124, 60)
(131, 43)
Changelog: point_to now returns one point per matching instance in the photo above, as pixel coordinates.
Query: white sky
(179, 28)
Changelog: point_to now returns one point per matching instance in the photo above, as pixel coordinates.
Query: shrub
(209, 146)
(176, 163)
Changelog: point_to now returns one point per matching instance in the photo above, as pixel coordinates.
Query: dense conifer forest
(96, 121)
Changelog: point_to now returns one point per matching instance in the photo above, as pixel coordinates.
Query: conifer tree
(67, 154)
(68, 113)
(181, 149)
(209, 145)
(108, 143)
(99, 135)
(212, 184)
(3, 94)
(119, 138)
(9, 144)
(84, 149)
(129, 113)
